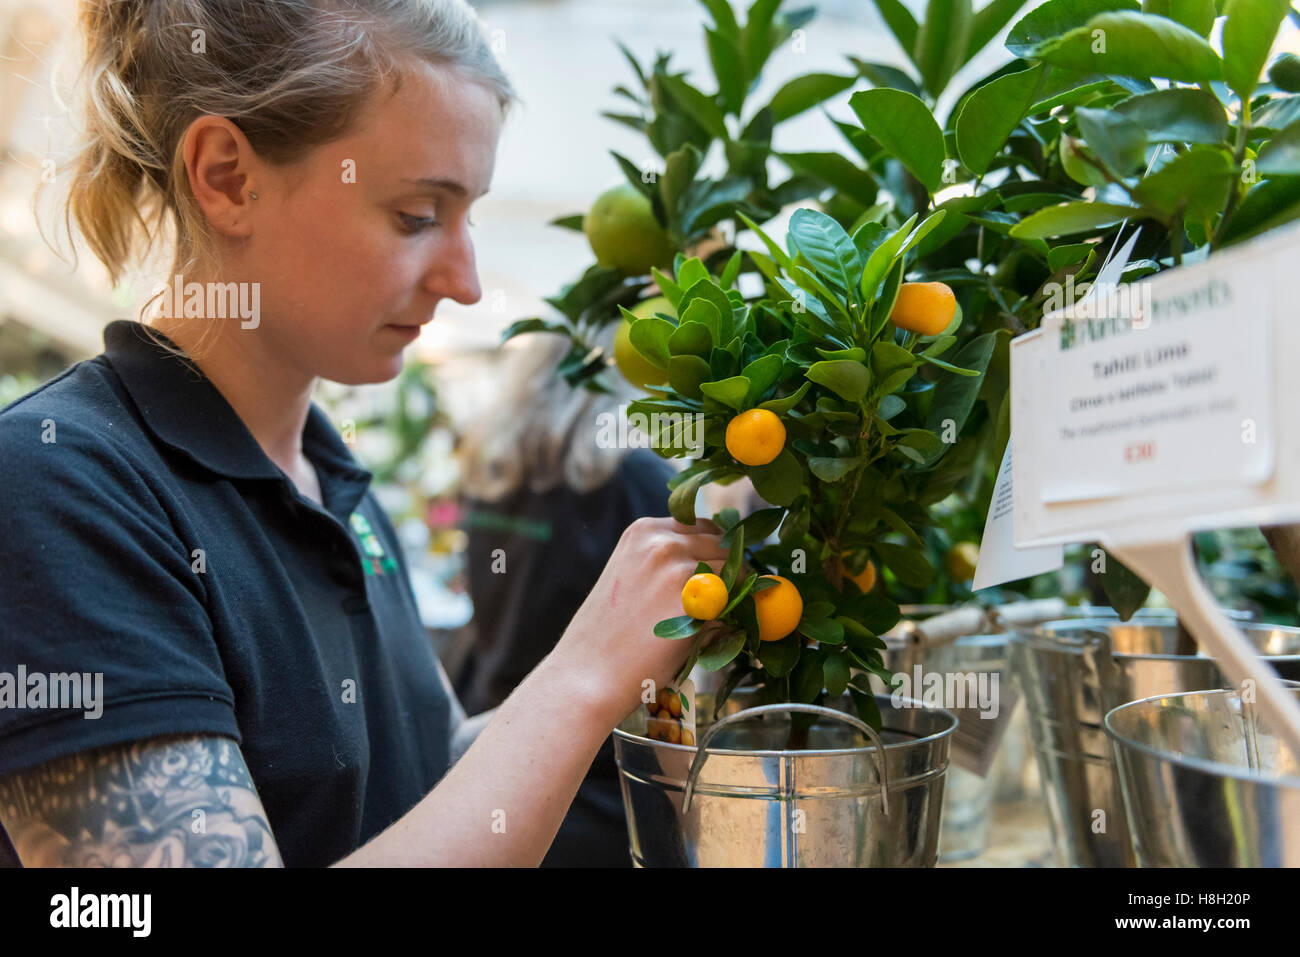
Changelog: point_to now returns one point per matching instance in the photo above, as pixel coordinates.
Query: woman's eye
(414, 224)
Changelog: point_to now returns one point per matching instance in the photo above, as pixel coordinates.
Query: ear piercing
(252, 194)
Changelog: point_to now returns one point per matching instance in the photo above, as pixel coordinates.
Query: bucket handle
(702, 754)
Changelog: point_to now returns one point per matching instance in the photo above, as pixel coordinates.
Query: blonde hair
(291, 74)
(541, 431)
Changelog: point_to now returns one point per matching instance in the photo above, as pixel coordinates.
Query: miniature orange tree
(814, 391)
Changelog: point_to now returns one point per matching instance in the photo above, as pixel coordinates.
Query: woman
(546, 501)
(187, 531)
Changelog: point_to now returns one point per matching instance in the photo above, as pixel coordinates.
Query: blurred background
(553, 160)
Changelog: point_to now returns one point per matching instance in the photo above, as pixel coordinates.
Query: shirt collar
(183, 408)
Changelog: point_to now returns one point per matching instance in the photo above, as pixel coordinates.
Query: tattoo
(178, 801)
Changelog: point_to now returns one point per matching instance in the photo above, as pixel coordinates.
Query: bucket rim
(1204, 765)
(816, 752)
(1036, 636)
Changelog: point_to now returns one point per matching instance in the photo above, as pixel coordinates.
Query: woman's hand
(610, 647)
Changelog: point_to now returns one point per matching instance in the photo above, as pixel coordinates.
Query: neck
(271, 396)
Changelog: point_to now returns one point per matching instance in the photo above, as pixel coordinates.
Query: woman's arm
(503, 802)
(177, 801)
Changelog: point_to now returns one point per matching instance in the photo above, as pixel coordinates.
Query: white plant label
(1153, 411)
(1168, 389)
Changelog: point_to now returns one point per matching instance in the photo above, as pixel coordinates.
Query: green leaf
(1069, 218)
(784, 405)
(835, 674)
(991, 114)
(683, 626)
(1270, 204)
(779, 255)
(722, 651)
(649, 336)
(691, 338)
(941, 42)
(989, 20)
(1280, 156)
(1125, 591)
(1131, 44)
(907, 563)
(837, 171)
(779, 481)
(521, 326)
(730, 392)
(1197, 15)
(826, 245)
(735, 556)
(955, 396)
(806, 91)
(1248, 35)
(927, 226)
(701, 108)
(827, 631)
(741, 592)
(1177, 115)
(844, 377)
(1196, 182)
(779, 657)
(762, 374)
(1118, 141)
(806, 679)
(901, 24)
(881, 259)
(832, 469)
(1054, 18)
(903, 125)
(1284, 72)
(681, 501)
(756, 526)
(728, 68)
(687, 374)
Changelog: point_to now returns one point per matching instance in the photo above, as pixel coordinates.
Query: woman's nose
(453, 274)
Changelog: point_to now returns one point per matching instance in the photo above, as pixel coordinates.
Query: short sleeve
(98, 600)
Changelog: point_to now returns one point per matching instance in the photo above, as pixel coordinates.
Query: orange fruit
(755, 437)
(925, 308)
(778, 608)
(866, 579)
(704, 596)
(688, 739)
(674, 733)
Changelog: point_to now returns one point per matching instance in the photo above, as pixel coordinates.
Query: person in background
(544, 507)
(184, 525)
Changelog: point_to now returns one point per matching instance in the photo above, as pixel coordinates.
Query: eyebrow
(450, 185)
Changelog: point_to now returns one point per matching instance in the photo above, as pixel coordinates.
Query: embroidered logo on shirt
(375, 561)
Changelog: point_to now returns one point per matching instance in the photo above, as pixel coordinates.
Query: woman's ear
(218, 162)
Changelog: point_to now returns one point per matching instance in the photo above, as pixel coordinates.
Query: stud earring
(252, 194)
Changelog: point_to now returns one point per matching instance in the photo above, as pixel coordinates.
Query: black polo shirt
(147, 536)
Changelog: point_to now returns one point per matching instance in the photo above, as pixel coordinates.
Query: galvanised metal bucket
(1206, 783)
(742, 800)
(1071, 673)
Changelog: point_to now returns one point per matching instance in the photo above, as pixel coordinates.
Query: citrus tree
(814, 392)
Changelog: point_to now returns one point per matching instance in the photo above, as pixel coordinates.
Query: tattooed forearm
(164, 802)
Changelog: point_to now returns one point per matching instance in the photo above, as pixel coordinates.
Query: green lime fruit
(624, 233)
(637, 369)
(1076, 167)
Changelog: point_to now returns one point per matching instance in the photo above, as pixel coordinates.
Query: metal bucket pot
(1206, 783)
(741, 800)
(1071, 674)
